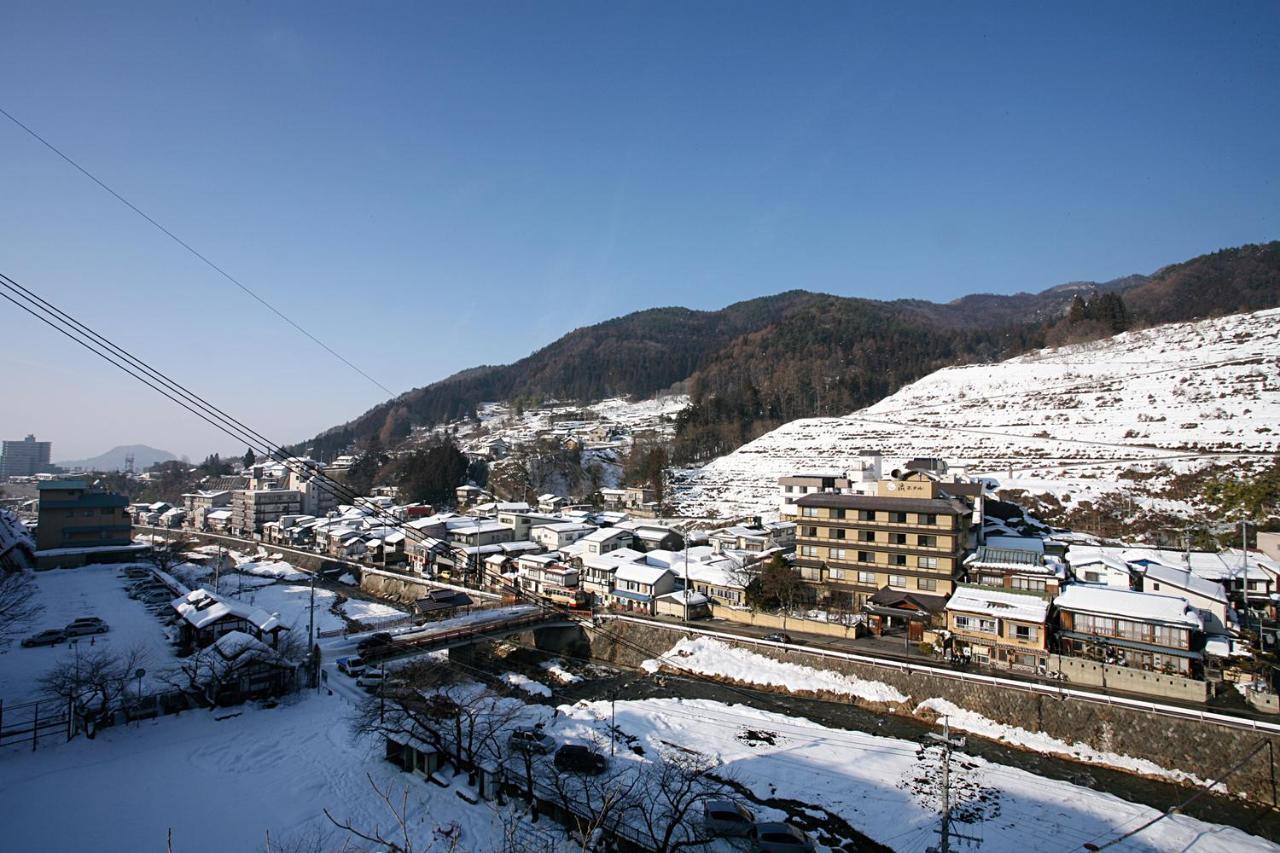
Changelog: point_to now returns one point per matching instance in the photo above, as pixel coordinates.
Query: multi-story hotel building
(908, 538)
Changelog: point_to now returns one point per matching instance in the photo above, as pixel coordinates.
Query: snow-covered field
(884, 787)
(1067, 420)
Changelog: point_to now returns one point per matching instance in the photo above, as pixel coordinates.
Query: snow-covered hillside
(1076, 422)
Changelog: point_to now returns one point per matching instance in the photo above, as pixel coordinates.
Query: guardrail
(1031, 687)
(400, 647)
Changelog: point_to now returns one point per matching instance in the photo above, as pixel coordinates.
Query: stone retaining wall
(1203, 748)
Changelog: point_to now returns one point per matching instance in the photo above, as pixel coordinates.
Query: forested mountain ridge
(755, 364)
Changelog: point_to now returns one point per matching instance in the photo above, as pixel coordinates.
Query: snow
(1112, 601)
(1069, 421)
(555, 668)
(998, 603)
(371, 613)
(527, 684)
(67, 595)
(273, 569)
(709, 656)
(883, 787)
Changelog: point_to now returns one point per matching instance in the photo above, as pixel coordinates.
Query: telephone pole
(945, 829)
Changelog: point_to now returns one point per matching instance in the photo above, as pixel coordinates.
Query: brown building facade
(909, 537)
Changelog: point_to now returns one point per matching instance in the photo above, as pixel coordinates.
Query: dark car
(573, 758)
(728, 818)
(52, 637)
(782, 838)
(778, 637)
(375, 641)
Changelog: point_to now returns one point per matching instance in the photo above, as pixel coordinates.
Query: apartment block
(909, 537)
(252, 509)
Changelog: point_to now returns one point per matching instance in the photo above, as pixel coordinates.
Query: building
(75, 515)
(251, 509)
(636, 586)
(24, 458)
(910, 537)
(798, 485)
(606, 539)
(200, 504)
(997, 626)
(1016, 563)
(555, 536)
(1140, 630)
(205, 617)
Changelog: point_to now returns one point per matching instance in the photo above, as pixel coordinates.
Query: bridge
(492, 624)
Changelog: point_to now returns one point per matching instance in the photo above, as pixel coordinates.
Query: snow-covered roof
(606, 534)
(641, 573)
(202, 608)
(695, 598)
(1189, 581)
(1143, 606)
(999, 604)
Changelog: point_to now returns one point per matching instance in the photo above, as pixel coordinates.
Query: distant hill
(114, 459)
(756, 364)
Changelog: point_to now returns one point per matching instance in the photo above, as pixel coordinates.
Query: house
(614, 500)
(637, 585)
(998, 626)
(477, 532)
(1094, 565)
(1140, 630)
(200, 503)
(1209, 598)
(556, 536)
(238, 667)
(1015, 563)
(598, 570)
(683, 604)
(442, 603)
(651, 536)
(550, 503)
(723, 580)
(204, 617)
(468, 495)
(606, 539)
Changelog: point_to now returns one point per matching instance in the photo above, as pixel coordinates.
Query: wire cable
(184, 244)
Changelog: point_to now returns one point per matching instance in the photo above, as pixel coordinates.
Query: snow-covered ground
(527, 684)
(884, 787)
(67, 595)
(1069, 421)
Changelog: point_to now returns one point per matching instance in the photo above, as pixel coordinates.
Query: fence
(31, 721)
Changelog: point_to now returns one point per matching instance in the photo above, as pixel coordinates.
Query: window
(838, 554)
(838, 533)
(837, 513)
(927, 562)
(809, 511)
(865, 557)
(866, 515)
(898, 581)
(927, 541)
(788, 489)
(899, 539)
(867, 577)
(1028, 584)
(808, 551)
(866, 536)
(836, 574)
(1092, 577)
(1026, 633)
(976, 623)
(898, 517)
(927, 584)
(898, 559)
(811, 532)
(928, 518)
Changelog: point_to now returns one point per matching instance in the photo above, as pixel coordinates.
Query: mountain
(756, 364)
(1136, 416)
(114, 459)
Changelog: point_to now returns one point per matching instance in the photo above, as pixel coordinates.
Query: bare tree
(403, 834)
(595, 803)
(204, 674)
(170, 553)
(668, 793)
(96, 681)
(18, 604)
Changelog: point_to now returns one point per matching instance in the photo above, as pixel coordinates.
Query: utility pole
(945, 829)
(1244, 551)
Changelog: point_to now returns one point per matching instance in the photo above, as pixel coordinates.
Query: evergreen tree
(249, 459)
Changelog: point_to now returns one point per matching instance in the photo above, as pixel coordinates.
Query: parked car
(574, 758)
(778, 637)
(782, 838)
(82, 627)
(51, 637)
(728, 818)
(352, 665)
(531, 740)
(369, 679)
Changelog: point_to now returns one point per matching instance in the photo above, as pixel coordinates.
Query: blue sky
(428, 187)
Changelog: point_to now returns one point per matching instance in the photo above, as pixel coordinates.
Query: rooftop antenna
(128, 464)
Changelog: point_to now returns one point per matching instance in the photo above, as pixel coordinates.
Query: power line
(184, 244)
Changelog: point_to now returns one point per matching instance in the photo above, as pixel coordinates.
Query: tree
(778, 587)
(18, 604)
(171, 553)
(400, 837)
(361, 475)
(96, 680)
(668, 795)
(249, 459)
(593, 802)
(431, 475)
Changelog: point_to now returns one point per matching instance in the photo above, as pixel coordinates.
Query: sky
(426, 187)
